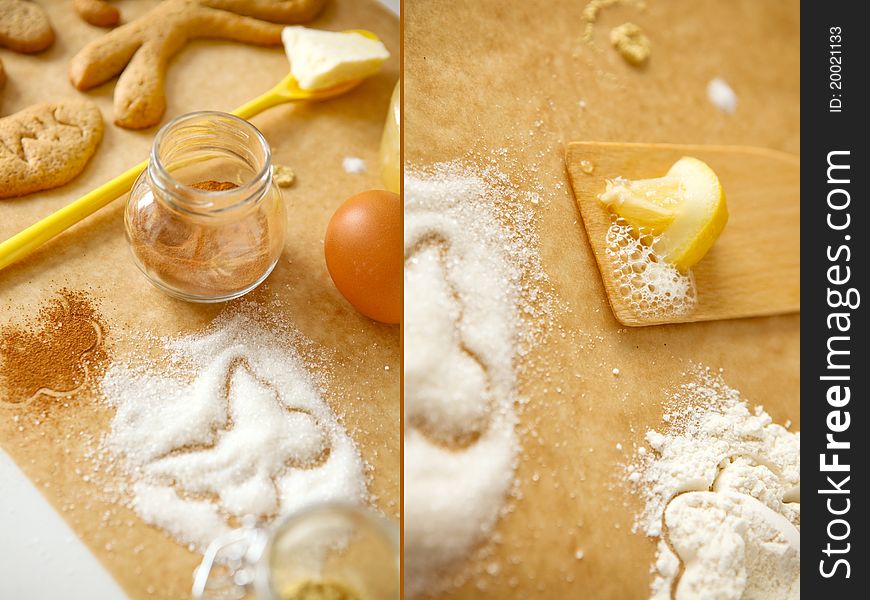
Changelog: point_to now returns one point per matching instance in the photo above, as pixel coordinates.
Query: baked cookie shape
(24, 27)
(140, 50)
(44, 146)
(97, 12)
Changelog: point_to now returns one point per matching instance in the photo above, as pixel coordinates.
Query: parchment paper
(312, 140)
(488, 75)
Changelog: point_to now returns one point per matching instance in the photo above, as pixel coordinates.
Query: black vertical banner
(834, 337)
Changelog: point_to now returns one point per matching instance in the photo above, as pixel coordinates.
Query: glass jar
(205, 222)
(391, 169)
(332, 550)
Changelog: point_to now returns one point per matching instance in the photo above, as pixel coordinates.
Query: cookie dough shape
(140, 50)
(46, 145)
(732, 546)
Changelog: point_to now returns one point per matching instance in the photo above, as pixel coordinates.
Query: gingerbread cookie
(46, 145)
(97, 12)
(24, 27)
(140, 50)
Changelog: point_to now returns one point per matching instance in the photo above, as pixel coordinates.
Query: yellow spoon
(28, 240)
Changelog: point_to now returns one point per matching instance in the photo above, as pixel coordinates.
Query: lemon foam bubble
(652, 287)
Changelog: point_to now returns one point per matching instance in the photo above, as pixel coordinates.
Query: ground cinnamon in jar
(56, 352)
(210, 185)
(198, 255)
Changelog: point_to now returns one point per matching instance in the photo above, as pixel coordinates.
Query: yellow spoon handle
(28, 240)
(259, 104)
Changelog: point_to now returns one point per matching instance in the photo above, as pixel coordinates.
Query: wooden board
(312, 140)
(516, 82)
(753, 269)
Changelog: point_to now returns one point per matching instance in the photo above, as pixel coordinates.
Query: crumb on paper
(283, 175)
(631, 42)
(590, 14)
(722, 96)
(353, 164)
(594, 7)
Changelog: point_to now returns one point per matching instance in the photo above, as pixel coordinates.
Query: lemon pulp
(685, 210)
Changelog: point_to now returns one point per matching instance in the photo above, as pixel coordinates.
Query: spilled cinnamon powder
(56, 352)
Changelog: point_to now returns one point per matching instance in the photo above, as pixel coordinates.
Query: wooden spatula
(753, 269)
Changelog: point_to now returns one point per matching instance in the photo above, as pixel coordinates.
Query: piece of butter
(321, 59)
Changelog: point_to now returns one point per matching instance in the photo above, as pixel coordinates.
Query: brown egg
(364, 253)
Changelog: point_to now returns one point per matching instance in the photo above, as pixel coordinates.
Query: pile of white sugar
(721, 486)
(471, 275)
(233, 426)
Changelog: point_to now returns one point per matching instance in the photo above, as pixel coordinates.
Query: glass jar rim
(260, 181)
(385, 529)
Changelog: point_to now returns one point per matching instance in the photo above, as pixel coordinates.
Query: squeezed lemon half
(685, 210)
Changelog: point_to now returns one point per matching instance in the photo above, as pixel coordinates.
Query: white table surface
(40, 556)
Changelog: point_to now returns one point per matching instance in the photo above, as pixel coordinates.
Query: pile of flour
(233, 426)
(722, 493)
(467, 278)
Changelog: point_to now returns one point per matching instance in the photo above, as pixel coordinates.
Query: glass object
(346, 550)
(390, 149)
(331, 550)
(205, 222)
